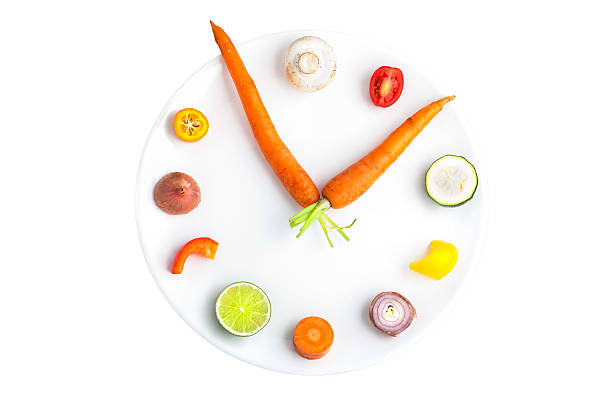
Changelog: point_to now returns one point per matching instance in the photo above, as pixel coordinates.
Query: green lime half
(243, 309)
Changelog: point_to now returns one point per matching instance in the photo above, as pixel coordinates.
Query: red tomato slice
(386, 86)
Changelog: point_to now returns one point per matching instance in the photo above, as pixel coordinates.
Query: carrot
(287, 169)
(349, 185)
(355, 180)
(313, 337)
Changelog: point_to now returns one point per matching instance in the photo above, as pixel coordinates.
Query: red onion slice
(391, 313)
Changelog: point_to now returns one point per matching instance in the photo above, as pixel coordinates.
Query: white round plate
(246, 209)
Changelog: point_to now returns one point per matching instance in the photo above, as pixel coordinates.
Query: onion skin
(406, 311)
(177, 193)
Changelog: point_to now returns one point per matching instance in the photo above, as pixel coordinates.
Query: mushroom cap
(310, 63)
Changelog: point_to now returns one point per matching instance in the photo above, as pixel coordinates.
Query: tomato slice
(190, 125)
(386, 86)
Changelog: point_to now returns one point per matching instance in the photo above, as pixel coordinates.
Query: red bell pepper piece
(202, 246)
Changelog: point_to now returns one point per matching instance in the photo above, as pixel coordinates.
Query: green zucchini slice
(451, 180)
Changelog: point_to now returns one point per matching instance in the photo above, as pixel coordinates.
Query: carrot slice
(313, 337)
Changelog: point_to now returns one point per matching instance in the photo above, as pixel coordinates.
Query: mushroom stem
(308, 63)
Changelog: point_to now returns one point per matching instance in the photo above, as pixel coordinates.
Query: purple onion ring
(391, 313)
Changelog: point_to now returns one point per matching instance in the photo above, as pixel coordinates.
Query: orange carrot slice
(313, 337)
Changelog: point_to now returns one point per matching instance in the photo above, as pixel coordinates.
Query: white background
(84, 324)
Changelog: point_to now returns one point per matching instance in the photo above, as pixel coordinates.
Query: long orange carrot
(287, 169)
(349, 185)
(355, 180)
(313, 337)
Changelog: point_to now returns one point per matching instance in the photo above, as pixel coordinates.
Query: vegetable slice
(313, 337)
(203, 246)
(386, 86)
(451, 180)
(190, 125)
(391, 313)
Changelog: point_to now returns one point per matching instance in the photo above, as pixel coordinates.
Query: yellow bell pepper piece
(439, 262)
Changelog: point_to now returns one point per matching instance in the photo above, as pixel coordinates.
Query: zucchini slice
(451, 180)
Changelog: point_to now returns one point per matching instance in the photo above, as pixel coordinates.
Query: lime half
(243, 309)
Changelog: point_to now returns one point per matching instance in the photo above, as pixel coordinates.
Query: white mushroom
(310, 64)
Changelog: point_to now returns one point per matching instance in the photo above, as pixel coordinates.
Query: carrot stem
(295, 223)
(314, 215)
(316, 212)
(337, 228)
(325, 232)
(300, 217)
(299, 221)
